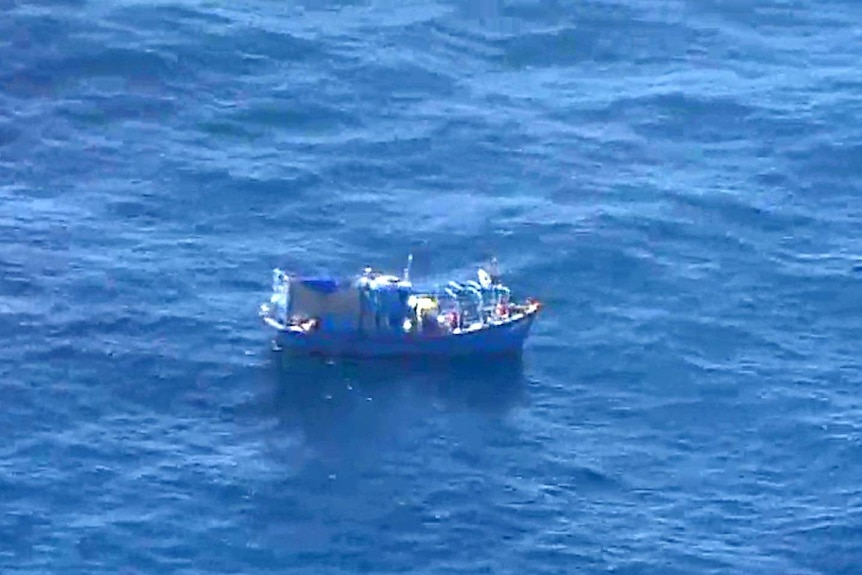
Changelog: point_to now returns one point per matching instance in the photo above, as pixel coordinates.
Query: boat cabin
(376, 303)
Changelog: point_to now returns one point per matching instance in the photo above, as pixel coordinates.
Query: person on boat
(429, 324)
(503, 306)
(426, 314)
(452, 319)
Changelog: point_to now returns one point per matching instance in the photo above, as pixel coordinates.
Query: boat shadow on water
(488, 383)
(351, 397)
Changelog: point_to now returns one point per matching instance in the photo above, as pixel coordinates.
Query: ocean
(678, 181)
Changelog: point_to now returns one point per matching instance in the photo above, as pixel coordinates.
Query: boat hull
(503, 338)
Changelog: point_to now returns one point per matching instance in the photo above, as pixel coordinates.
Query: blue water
(678, 181)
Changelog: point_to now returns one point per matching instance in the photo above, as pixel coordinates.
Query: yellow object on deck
(424, 305)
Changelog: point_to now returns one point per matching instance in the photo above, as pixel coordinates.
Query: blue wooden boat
(382, 315)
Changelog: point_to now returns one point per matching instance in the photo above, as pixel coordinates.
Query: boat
(375, 314)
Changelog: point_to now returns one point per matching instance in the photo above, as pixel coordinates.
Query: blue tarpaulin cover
(322, 285)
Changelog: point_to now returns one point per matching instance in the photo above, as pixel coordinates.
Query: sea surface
(678, 182)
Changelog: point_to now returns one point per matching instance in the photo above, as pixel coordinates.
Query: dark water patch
(417, 160)
(20, 529)
(603, 150)
(293, 114)
(371, 165)
(363, 174)
(331, 6)
(224, 129)
(780, 131)
(847, 85)
(57, 3)
(104, 109)
(681, 116)
(276, 44)
(773, 179)
(826, 302)
(741, 210)
(712, 340)
(494, 384)
(248, 48)
(830, 532)
(30, 35)
(747, 15)
(605, 34)
(402, 82)
(565, 477)
(29, 84)
(721, 416)
(340, 404)
(462, 41)
(778, 15)
(9, 133)
(556, 11)
(143, 211)
(277, 198)
(54, 75)
(18, 280)
(608, 264)
(123, 324)
(137, 65)
(560, 47)
(600, 369)
(839, 161)
(173, 19)
(45, 237)
(154, 380)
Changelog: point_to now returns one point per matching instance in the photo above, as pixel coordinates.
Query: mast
(407, 269)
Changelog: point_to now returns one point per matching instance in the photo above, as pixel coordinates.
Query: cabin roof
(319, 284)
